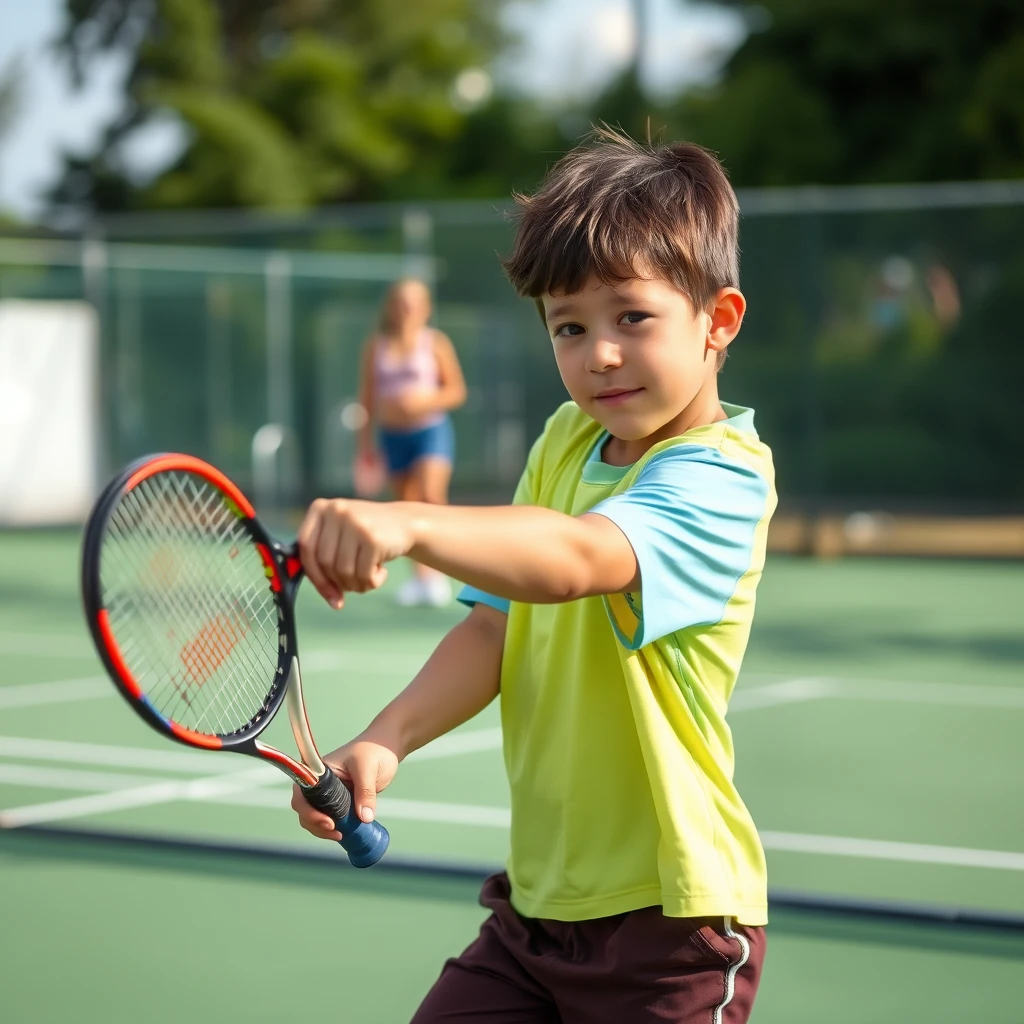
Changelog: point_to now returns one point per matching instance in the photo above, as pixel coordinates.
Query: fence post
(94, 270)
(278, 287)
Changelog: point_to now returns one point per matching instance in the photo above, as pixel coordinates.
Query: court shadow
(856, 637)
(391, 877)
(960, 932)
(960, 938)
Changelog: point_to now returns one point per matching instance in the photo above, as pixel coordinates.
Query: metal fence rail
(878, 349)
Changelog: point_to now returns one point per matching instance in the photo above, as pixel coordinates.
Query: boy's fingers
(366, 802)
(345, 559)
(309, 538)
(367, 568)
(312, 820)
(327, 550)
(361, 779)
(326, 557)
(364, 789)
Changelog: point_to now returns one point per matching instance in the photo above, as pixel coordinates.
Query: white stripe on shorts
(730, 974)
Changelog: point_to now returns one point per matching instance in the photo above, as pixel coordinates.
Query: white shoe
(411, 593)
(437, 591)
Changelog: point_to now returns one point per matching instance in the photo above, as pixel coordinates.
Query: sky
(569, 48)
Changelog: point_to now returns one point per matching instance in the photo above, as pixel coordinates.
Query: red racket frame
(284, 572)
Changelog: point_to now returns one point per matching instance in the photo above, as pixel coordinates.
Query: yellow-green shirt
(619, 757)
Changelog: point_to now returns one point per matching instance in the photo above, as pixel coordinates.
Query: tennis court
(877, 724)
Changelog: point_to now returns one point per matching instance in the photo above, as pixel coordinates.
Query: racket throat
(308, 753)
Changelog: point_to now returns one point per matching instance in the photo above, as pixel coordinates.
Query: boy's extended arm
(521, 552)
(459, 680)
(525, 552)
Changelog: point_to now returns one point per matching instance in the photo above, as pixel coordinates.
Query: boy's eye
(569, 331)
(634, 317)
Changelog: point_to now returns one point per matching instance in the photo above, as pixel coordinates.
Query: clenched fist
(345, 544)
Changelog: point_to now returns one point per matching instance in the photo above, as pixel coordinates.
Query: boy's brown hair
(619, 210)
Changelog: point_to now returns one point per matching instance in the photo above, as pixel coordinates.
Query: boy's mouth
(616, 396)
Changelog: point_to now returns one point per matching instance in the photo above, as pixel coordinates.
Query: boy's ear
(726, 311)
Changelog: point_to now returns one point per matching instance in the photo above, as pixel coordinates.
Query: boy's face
(633, 355)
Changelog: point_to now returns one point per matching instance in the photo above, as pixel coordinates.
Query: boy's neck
(706, 408)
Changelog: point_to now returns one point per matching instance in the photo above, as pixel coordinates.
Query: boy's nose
(603, 354)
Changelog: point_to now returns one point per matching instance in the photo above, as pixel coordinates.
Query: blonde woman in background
(410, 381)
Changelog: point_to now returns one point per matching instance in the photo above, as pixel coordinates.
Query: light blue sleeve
(690, 517)
(471, 595)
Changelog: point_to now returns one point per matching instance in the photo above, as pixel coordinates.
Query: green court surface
(877, 726)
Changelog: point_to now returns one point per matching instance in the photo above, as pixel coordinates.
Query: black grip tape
(331, 796)
(364, 842)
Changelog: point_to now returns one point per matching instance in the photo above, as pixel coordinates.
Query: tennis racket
(191, 605)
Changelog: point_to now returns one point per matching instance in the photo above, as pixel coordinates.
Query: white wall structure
(48, 412)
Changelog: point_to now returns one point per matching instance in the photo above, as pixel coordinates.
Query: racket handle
(363, 841)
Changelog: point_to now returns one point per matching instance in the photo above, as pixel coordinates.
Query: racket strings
(189, 603)
(214, 708)
(197, 653)
(163, 687)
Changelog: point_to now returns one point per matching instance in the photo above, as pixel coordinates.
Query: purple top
(416, 370)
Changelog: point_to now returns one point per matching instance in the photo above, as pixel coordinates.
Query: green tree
(9, 96)
(285, 103)
(837, 91)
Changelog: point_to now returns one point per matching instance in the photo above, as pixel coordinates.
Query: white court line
(114, 757)
(267, 790)
(254, 788)
(843, 846)
(956, 694)
(793, 691)
(876, 849)
(387, 807)
(789, 691)
(449, 814)
(60, 692)
(453, 744)
(62, 778)
(141, 796)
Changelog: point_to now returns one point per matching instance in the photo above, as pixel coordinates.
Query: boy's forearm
(460, 679)
(524, 552)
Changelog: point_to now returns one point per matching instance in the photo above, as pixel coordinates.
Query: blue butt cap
(363, 841)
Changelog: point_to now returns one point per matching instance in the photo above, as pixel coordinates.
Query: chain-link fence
(880, 348)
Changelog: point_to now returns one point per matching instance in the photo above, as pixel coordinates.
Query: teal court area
(877, 724)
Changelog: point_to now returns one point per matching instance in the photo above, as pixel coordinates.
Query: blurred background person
(411, 379)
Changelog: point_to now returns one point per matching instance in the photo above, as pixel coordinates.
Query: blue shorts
(402, 448)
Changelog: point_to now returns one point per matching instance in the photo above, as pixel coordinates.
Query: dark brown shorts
(626, 969)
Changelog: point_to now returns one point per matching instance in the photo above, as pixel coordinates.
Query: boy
(610, 608)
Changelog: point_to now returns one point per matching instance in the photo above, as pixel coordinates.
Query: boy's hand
(367, 767)
(344, 544)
